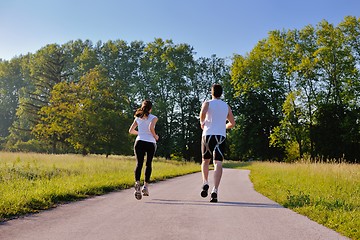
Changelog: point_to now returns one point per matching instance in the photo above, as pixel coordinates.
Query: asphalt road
(174, 210)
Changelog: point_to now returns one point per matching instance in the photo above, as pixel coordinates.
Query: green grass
(31, 182)
(327, 193)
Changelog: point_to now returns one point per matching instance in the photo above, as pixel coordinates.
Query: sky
(221, 27)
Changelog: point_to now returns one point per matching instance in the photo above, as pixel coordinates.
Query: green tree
(350, 28)
(122, 62)
(292, 52)
(258, 91)
(56, 123)
(321, 69)
(42, 71)
(160, 88)
(86, 115)
(73, 55)
(292, 129)
(336, 64)
(11, 81)
(209, 70)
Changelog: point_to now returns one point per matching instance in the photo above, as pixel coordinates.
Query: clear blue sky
(221, 27)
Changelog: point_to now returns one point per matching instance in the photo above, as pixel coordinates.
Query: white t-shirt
(144, 133)
(215, 120)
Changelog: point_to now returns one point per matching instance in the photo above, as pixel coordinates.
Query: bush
(29, 146)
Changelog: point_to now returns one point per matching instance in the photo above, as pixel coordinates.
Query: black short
(213, 146)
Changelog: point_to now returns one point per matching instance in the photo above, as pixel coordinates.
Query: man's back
(215, 121)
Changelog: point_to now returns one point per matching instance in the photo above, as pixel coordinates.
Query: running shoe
(145, 191)
(204, 191)
(137, 193)
(213, 197)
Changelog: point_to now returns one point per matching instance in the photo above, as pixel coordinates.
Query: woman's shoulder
(152, 116)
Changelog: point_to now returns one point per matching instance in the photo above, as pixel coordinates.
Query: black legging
(140, 148)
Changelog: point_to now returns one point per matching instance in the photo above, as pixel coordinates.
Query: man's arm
(231, 120)
(203, 111)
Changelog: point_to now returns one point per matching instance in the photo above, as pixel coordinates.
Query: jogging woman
(145, 143)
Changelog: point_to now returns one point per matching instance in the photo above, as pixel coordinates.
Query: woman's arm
(152, 128)
(132, 128)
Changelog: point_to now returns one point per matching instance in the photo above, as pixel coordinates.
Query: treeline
(80, 97)
(296, 94)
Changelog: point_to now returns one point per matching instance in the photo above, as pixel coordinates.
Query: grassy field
(327, 193)
(32, 182)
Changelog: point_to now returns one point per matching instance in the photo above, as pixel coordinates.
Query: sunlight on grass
(327, 193)
(30, 182)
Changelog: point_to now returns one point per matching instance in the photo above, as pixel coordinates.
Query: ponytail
(144, 110)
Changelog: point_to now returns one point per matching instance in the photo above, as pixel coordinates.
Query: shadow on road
(220, 203)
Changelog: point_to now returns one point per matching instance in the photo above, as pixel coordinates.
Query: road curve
(174, 210)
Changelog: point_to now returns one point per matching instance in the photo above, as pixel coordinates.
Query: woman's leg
(151, 148)
(139, 151)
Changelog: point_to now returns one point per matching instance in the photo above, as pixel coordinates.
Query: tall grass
(31, 182)
(327, 193)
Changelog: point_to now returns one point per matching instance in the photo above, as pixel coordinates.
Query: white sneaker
(137, 193)
(145, 191)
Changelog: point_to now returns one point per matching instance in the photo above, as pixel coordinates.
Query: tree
(292, 129)
(258, 93)
(208, 72)
(336, 64)
(123, 64)
(41, 72)
(181, 67)
(11, 81)
(293, 54)
(86, 115)
(166, 69)
(57, 121)
(350, 28)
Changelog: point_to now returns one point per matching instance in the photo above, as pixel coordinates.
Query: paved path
(174, 210)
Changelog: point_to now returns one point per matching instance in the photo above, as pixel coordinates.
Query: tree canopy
(294, 95)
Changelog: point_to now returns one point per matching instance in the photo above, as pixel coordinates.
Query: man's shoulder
(219, 101)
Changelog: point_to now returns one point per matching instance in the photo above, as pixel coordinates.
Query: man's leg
(218, 170)
(217, 178)
(205, 175)
(205, 170)
(217, 173)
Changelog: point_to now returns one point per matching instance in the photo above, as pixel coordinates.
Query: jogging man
(215, 117)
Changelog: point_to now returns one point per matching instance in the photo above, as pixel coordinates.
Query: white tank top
(215, 120)
(144, 133)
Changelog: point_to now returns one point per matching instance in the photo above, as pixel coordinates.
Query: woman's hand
(156, 137)
(132, 128)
